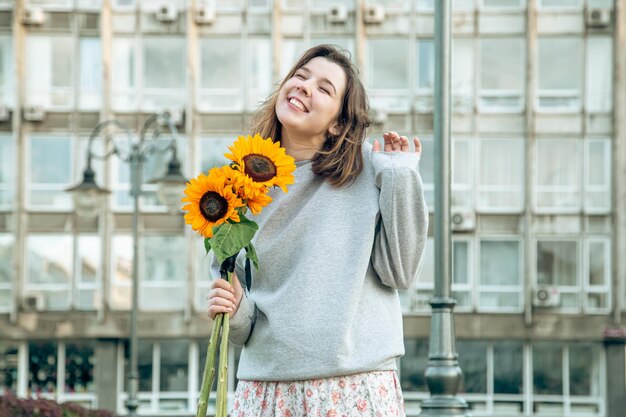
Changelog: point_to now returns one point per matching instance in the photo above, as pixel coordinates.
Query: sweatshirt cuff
(244, 314)
(382, 161)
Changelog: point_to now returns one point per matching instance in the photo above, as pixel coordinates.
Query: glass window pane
(7, 88)
(413, 365)
(7, 171)
(221, 63)
(7, 242)
(90, 73)
(583, 370)
(473, 362)
(212, 152)
(599, 74)
(462, 74)
(49, 259)
(425, 64)
(501, 174)
(501, 4)
(559, 3)
(427, 273)
(462, 173)
(49, 70)
(47, 181)
(508, 368)
(8, 367)
(557, 263)
(124, 64)
(291, 49)
(598, 262)
(560, 71)
(87, 277)
(460, 267)
(259, 70)
(42, 368)
(502, 64)
(122, 264)
(547, 369)
(427, 170)
(499, 263)
(79, 366)
(388, 63)
(144, 365)
(558, 174)
(163, 258)
(174, 365)
(164, 64)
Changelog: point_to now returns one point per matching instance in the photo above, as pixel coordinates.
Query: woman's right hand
(224, 297)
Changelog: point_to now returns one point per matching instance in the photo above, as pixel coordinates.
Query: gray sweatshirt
(324, 301)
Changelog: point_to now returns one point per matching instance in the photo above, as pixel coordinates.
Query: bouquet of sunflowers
(216, 208)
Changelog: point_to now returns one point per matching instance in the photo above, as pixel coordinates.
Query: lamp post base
(444, 406)
(131, 405)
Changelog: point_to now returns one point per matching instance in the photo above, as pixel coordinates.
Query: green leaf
(207, 245)
(229, 238)
(251, 254)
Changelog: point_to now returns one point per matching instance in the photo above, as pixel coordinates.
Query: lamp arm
(115, 150)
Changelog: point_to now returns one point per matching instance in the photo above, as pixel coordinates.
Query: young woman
(321, 326)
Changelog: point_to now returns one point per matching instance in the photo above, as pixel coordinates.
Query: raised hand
(397, 143)
(223, 297)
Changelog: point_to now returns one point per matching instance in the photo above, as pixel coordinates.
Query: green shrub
(11, 406)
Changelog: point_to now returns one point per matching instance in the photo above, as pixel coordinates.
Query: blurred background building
(538, 184)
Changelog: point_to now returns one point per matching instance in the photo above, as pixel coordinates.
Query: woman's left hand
(397, 143)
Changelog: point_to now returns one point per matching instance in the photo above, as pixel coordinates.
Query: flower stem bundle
(216, 208)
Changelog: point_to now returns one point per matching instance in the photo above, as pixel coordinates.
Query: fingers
(395, 142)
(376, 146)
(224, 297)
(418, 145)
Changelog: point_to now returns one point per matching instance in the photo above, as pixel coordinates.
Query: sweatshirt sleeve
(242, 322)
(402, 229)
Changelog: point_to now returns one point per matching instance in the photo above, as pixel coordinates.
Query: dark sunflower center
(213, 206)
(258, 167)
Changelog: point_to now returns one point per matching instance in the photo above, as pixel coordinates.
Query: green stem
(209, 368)
(222, 382)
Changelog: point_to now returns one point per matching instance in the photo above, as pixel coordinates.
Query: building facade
(538, 187)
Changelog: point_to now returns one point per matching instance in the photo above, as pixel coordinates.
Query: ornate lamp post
(89, 199)
(443, 373)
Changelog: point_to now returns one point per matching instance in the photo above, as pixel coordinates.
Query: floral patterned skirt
(367, 394)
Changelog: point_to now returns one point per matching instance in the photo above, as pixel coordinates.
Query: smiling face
(309, 102)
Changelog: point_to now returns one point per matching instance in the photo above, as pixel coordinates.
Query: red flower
(331, 413)
(361, 405)
(335, 396)
(287, 413)
(342, 383)
(309, 393)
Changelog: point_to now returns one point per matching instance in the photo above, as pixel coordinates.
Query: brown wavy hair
(340, 160)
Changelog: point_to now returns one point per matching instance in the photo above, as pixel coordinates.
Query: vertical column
(19, 218)
(443, 373)
(106, 374)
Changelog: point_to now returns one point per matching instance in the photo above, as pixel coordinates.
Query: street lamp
(89, 199)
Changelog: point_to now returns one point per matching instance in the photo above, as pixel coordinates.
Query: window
(558, 181)
(559, 4)
(560, 165)
(599, 74)
(154, 167)
(8, 367)
(50, 267)
(502, 4)
(165, 272)
(462, 186)
(566, 379)
(461, 273)
(559, 73)
(501, 175)
(413, 364)
(62, 371)
(7, 172)
(462, 69)
(7, 87)
(502, 74)
(151, 80)
(425, 76)
(387, 73)
(7, 275)
(88, 272)
(47, 182)
(500, 279)
(473, 361)
(558, 264)
(50, 72)
(227, 73)
(291, 50)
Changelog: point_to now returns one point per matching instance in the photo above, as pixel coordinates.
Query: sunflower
(211, 202)
(262, 161)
